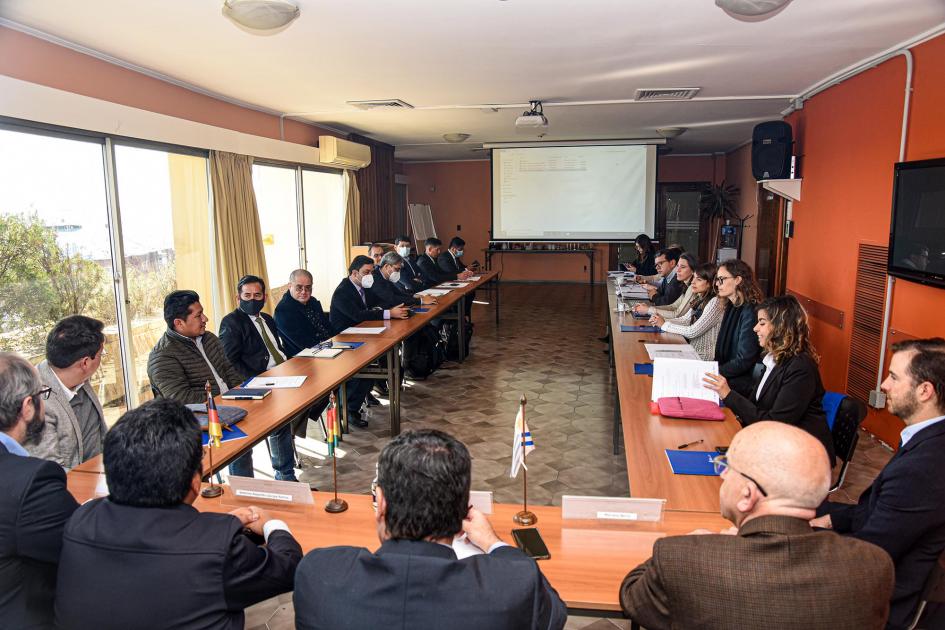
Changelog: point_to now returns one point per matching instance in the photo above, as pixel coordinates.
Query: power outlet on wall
(459, 228)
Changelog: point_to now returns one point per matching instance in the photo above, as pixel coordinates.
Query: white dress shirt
(769, 362)
(910, 431)
(260, 322)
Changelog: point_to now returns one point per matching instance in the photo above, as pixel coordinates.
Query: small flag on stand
(522, 443)
(331, 420)
(333, 430)
(214, 428)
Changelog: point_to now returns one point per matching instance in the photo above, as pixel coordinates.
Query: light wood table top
(647, 435)
(589, 558)
(323, 376)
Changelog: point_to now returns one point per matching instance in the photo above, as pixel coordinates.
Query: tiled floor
(545, 348)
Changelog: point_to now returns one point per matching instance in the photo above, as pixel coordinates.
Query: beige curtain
(239, 244)
(352, 214)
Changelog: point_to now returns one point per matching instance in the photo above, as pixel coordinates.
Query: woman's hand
(657, 320)
(717, 383)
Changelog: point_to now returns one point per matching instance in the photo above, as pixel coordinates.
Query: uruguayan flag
(521, 447)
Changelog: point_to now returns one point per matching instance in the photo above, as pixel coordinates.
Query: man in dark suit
(387, 292)
(143, 557)
(776, 571)
(429, 268)
(252, 346)
(904, 510)
(415, 580)
(34, 502)
(451, 261)
(353, 303)
(670, 287)
(410, 278)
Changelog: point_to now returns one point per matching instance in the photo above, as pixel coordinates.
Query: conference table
(646, 435)
(324, 376)
(589, 557)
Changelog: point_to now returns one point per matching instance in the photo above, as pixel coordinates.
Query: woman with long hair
(684, 273)
(701, 322)
(645, 264)
(789, 389)
(736, 348)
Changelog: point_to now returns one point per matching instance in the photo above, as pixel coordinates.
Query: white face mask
(394, 276)
(403, 251)
(367, 281)
(459, 253)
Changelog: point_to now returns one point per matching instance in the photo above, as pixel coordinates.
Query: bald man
(776, 571)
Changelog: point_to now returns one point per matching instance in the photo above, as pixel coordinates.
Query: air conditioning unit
(334, 151)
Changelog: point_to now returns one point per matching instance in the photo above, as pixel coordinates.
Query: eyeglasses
(720, 463)
(722, 279)
(659, 263)
(43, 393)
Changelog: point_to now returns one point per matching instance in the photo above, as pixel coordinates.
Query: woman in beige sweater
(701, 322)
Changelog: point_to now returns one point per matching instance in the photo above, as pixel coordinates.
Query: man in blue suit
(904, 510)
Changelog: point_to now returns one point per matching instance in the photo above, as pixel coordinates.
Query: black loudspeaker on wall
(771, 146)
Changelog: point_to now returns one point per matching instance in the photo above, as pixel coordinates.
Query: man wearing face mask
(252, 346)
(451, 261)
(34, 502)
(411, 279)
(386, 289)
(353, 302)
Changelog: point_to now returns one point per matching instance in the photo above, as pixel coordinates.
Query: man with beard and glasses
(904, 510)
(34, 502)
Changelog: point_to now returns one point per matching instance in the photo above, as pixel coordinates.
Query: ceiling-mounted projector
(533, 119)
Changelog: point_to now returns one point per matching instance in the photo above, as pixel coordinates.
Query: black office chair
(933, 598)
(846, 433)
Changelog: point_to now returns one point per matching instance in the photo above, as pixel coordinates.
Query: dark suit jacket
(389, 294)
(776, 573)
(348, 309)
(447, 263)
(243, 346)
(131, 567)
(431, 272)
(904, 513)
(793, 394)
(736, 347)
(301, 325)
(669, 291)
(411, 279)
(421, 585)
(34, 508)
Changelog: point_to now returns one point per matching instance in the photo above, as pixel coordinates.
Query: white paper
(433, 292)
(452, 285)
(474, 278)
(463, 548)
(683, 378)
(250, 489)
(355, 330)
(275, 382)
(671, 351)
(321, 353)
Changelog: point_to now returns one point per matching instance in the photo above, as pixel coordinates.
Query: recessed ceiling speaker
(750, 8)
(771, 145)
(261, 15)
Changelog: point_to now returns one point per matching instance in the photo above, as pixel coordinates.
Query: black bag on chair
(451, 332)
(424, 352)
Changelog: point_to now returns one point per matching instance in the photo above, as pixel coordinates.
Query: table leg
(590, 255)
(343, 401)
(616, 419)
(395, 389)
(495, 286)
(461, 328)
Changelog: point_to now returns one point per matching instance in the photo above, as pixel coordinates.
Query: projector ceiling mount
(532, 119)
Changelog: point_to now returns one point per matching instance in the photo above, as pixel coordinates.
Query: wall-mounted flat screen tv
(917, 230)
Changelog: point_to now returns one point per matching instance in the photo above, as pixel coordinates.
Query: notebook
(692, 462)
(245, 393)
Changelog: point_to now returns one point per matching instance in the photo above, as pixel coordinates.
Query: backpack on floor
(424, 352)
(451, 332)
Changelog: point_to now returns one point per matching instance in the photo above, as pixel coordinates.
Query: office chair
(845, 433)
(933, 593)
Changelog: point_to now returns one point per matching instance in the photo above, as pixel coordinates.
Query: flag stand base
(211, 492)
(336, 505)
(525, 518)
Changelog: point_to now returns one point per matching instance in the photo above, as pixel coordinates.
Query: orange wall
(31, 59)
(848, 140)
(738, 173)
(460, 193)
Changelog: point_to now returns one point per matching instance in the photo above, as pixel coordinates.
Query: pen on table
(688, 444)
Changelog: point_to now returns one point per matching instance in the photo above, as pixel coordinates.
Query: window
(325, 254)
(165, 218)
(55, 254)
(278, 219)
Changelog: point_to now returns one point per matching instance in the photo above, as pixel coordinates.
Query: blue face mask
(459, 253)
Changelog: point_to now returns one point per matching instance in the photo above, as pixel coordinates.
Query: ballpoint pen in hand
(688, 444)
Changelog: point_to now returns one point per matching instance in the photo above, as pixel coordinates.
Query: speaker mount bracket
(790, 189)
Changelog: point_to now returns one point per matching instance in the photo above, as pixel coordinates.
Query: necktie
(361, 293)
(270, 346)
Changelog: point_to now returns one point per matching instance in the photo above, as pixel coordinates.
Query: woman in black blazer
(788, 389)
(645, 264)
(736, 347)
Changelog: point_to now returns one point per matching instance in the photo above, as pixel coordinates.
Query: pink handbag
(690, 408)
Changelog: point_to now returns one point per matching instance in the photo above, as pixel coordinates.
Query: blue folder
(421, 310)
(352, 344)
(234, 433)
(692, 462)
(650, 329)
(643, 368)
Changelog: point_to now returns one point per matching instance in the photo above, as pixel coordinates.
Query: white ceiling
(448, 57)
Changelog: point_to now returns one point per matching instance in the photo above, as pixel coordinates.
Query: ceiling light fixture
(455, 137)
(750, 8)
(533, 119)
(261, 15)
(671, 132)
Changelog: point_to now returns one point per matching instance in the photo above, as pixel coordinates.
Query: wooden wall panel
(376, 183)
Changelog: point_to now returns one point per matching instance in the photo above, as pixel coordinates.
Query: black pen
(688, 444)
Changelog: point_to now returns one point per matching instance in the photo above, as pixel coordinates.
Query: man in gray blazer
(75, 424)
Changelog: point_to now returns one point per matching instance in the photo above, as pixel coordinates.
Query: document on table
(433, 292)
(320, 353)
(683, 378)
(357, 330)
(671, 351)
(474, 278)
(635, 292)
(275, 382)
(452, 285)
